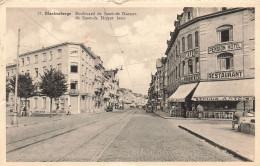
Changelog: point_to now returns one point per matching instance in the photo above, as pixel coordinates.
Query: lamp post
(14, 122)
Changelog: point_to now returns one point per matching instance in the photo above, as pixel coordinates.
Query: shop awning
(232, 90)
(182, 92)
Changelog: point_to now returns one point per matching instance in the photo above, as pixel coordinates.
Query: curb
(235, 154)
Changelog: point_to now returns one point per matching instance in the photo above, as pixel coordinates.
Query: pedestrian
(69, 110)
(237, 115)
(172, 110)
(200, 110)
(193, 110)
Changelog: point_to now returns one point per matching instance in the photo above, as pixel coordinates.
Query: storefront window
(225, 61)
(189, 41)
(225, 33)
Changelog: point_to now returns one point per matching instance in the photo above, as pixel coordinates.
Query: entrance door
(74, 104)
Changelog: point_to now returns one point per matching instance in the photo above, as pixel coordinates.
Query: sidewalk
(33, 120)
(218, 133)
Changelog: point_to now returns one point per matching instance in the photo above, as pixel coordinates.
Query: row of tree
(53, 84)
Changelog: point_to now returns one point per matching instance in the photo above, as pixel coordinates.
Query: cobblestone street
(129, 135)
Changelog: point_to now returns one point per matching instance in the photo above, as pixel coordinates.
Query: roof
(182, 92)
(61, 44)
(217, 90)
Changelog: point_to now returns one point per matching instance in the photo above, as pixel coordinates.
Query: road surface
(124, 135)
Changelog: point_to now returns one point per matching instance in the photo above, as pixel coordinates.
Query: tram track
(35, 139)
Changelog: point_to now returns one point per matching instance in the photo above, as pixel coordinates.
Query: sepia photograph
(130, 84)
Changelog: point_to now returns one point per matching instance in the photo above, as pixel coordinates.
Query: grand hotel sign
(225, 47)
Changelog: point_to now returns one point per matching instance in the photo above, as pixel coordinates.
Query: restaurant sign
(226, 74)
(225, 47)
(228, 98)
(190, 54)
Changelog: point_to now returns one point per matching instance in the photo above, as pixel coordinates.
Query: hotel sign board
(226, 74)
(227, 98)
(190, 54)
(225, 47)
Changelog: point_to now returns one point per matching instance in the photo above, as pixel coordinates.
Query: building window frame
(28, 61)
(196, 39)
(197, 65)
(44, 57)
(36, 72)
(225, 61)
(190, 66)
(74, 67)
(51, 55)
(189, 40)
(36, 59)
(225, 33)
(183, 44)
(59, 53)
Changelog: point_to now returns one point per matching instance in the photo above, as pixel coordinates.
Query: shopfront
(181, 99)
(220, 99)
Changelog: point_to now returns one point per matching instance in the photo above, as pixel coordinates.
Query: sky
(134, 43)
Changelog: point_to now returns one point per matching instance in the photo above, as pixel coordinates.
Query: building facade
(210, 60)
(84, 72)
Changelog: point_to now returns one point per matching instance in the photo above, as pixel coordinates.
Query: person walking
(237, 115)
(200, 110)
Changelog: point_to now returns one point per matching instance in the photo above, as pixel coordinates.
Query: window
(176, 71)
(36, 72)
(50, 55)
(225, 61)
(189, 41)
(197, 66)
(196, 39)
(183, 44)
(44, 102)
(28, 72)
(22, 61)
(73, 84)
(36, 59)
(225, 33)
(190, 66)
(59, 53)
(179, 71)
(35, 103)
(188, 15)
(183, 68)
(28, 60)
(176, 51)
(179, 46)
(44, 57)
(44, 68)
(59, 66)
(74, 67)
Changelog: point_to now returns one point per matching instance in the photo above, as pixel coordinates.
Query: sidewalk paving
(218, 133)
(33, 120)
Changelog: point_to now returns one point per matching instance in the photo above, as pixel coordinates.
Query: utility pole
(16, 82)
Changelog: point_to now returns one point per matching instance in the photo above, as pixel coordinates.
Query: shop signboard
(191, 78)
(225, 47)
(190, 53)
(226, 74)
(226, 98)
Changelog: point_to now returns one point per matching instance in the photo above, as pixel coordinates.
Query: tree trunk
(25, 107)
(51, 108)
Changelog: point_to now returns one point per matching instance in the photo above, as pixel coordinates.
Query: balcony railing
(74, 92)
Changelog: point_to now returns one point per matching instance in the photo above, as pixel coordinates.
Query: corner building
(210, 60)
(74, 60)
